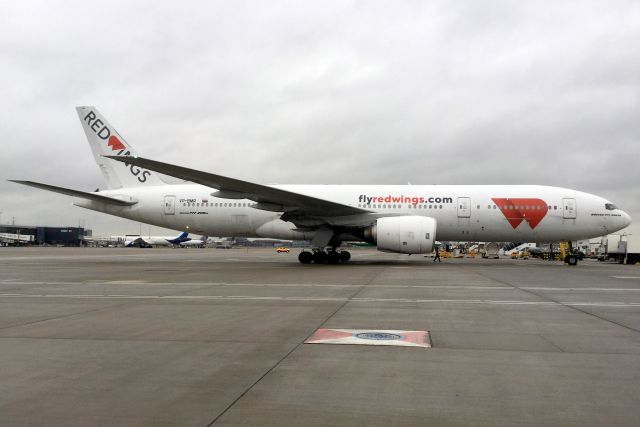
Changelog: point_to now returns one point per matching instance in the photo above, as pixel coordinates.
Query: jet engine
(403, 234)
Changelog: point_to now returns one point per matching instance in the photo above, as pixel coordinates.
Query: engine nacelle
(403, 234)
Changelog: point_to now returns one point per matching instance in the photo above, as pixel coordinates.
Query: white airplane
(149, 241)
(397, 218)
(195, 243)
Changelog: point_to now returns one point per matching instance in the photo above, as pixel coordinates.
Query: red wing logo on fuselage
(517, 210)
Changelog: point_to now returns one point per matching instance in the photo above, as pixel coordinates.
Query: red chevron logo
(517, 210)
(115, 144)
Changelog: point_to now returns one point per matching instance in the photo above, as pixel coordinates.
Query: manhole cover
(371, 337)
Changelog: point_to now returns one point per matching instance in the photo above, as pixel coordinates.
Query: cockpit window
(610, 206)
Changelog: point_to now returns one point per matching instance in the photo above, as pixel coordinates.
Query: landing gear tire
(333, 257)
(323, 257)
(305, 257)
(319, 257)
(571, 259)
(345, 256)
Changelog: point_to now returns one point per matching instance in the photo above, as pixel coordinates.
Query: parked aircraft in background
(396, 218)
(195, 243)
(148, 241)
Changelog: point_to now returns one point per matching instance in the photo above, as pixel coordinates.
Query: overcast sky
(370, 92)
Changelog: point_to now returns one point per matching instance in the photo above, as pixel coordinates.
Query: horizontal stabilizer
(76, 193)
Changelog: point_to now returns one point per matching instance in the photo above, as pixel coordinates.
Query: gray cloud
(324, 92)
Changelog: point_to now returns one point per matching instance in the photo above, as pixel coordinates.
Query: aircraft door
(169, 205)
(569, 209)
(464, 207)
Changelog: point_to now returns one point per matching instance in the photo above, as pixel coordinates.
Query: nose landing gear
(571, 259)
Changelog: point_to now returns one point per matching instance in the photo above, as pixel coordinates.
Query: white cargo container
(629, 249)
(623, 248)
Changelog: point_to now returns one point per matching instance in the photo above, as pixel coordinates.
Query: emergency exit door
(464, 207)
(569, 209)
(169, 205)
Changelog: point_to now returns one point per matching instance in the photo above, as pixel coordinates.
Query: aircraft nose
(626, 219)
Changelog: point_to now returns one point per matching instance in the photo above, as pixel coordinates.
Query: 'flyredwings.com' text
(363, 198)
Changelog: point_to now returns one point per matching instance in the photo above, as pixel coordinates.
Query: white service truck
(622, 248)
(629, 248)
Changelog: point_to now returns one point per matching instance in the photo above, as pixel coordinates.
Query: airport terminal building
(41, 235)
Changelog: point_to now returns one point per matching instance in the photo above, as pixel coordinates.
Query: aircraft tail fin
(183, 237)
(105, 140)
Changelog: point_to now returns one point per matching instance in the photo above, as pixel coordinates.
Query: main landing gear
(571, 258)
(319, 256)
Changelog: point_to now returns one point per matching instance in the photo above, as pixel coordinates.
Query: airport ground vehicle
(282, 250)
(622, 248)
(396, 218)
(631, 249)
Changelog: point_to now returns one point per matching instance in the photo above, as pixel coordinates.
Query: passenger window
(555, 208)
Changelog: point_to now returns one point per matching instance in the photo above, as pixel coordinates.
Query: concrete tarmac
(198, 337)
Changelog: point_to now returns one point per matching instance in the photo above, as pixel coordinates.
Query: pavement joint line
(301, 343)
(320, 299)
(95, 310)
(548, 341)
(213, 341)
(571, 306)
(146, 340)
(319, 285)
(64, 316)
(536, 288)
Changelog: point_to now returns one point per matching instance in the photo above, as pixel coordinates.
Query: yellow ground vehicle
(282, 249)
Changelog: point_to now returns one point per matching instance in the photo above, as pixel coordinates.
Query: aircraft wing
(76, 193)
(268, 198)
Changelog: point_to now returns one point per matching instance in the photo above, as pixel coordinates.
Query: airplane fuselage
(523, 213)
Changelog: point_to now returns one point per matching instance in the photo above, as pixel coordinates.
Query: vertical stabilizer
(105, 140)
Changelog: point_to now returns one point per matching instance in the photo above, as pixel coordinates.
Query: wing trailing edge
(270, 198)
